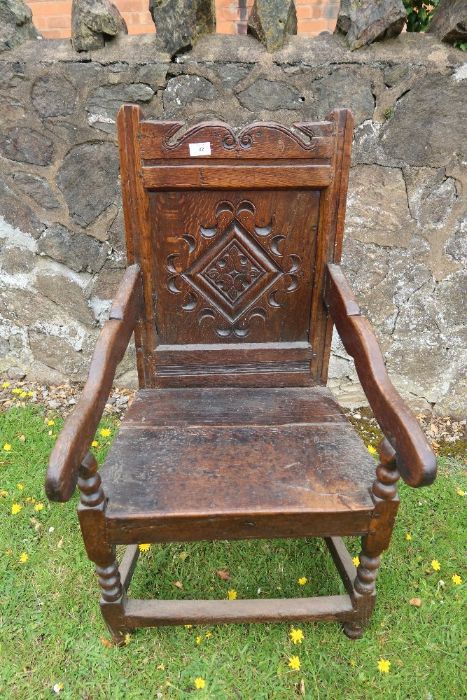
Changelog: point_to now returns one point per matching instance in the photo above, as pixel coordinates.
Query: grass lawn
(52, 632)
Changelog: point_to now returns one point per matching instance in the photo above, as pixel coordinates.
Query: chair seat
(228, 463)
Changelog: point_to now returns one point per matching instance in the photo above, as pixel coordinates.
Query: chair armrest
(415, 460)
(75, 438)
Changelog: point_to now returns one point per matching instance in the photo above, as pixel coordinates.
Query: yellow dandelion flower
(356, 561)
(20, 487)
(94, 443)
(460, 492)
(302, 581)
(198, 639)
(296, 635)
(5, 385)
(38, 507)
(408, 537)
(294, 663)
(188, 627)
(7, 447)
(208, 634)
(105, 432)
(435, 565)
(23, 558)
(384, 665)
(16, 508)
(200, 683)
(23, 394)
(16, 390)
(372, 450)
(50, 422)
(30, 393)
(232, 594)
(456, 579)
(144, 547)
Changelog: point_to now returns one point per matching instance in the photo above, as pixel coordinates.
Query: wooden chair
(232, 291)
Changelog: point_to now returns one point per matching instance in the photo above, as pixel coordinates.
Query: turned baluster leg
(91, 513)
(386, 500)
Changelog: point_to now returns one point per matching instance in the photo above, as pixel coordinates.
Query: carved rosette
(242, 275)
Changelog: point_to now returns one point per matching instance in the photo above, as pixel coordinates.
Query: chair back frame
(233, 232)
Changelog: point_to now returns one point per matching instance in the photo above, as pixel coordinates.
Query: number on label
(200, 149)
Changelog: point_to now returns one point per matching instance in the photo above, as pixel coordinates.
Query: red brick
(47, 9)
(309, 12)
(59, 22)
(56, 34)
(310, 27)
(40, 23)
(141, 29)
(224, 27)
(227, 13)
(132, 18)
(130, 5)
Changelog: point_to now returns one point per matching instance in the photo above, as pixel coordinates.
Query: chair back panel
(232, 232)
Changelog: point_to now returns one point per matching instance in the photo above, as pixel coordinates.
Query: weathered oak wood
(135, 210)
(259, 141)
(234, 407)
(330, 235)
(273, 195)
(80, 427)
(343, 561)
(232, 293)
(144, 613)
(249, 463)
(128, 565)
(91, 514)
(384, 493)
(228, 177)
(415, 459)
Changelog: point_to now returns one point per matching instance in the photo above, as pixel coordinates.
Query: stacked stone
(180, 23)
(93, 22)
(15, 24)
(366, 21)
(61, 225)
(272, 22)
(449, 22)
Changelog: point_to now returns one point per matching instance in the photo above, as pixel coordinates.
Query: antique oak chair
(232, 291)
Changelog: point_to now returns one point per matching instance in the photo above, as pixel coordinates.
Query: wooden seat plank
(207, 463)
(233, 406)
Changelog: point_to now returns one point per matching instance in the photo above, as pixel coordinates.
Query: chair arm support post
(75, 438)
(415, 460)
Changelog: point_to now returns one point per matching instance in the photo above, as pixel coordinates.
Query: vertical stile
(135, 208)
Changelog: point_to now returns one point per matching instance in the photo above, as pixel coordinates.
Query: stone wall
(53, 18)
(60, 211)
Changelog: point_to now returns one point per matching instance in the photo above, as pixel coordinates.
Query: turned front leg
(386, 500)
(91, 513)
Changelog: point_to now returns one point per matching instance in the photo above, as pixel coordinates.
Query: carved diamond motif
(233, 273)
